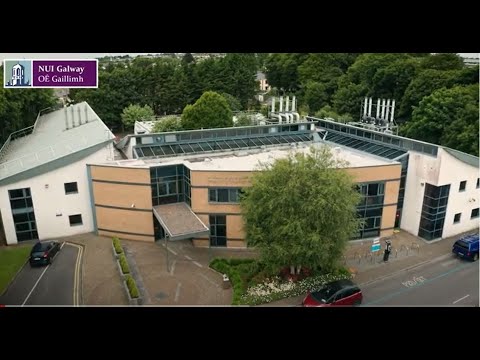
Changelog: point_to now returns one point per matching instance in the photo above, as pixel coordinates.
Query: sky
(97, 55)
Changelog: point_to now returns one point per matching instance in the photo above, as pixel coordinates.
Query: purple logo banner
(65, 73)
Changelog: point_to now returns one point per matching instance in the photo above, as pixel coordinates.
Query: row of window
(473, 215)
(231, 195)
(463, 185)
(21, 194)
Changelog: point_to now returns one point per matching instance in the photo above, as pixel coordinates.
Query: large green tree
(301, 211)
(168, 123)
(447, 117)
(19, 107)
(282, 71)
(134, 113)
(443, 61)
(210, 111)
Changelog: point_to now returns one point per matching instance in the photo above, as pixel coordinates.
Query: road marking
(209, 280)
(173, 252)
(414, 282)
(458, 268)
(198, 264)
(456, 301)
(188, 257)
(172, 269)
(177, 292)
(34, 286)
(63, 244)
(76, 276)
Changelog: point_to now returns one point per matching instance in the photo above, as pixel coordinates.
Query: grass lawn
(11, 260)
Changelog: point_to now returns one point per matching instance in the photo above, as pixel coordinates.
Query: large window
(434, 208)
(456, 218)
(226, 195)
(170, 184)
(218, 230)
(23, 214)
(370, 209)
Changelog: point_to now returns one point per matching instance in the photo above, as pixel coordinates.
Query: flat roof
(248, 160)
(54, 135)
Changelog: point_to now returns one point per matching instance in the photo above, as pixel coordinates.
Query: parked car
(43, 252)
(467, 247)
(336, 293)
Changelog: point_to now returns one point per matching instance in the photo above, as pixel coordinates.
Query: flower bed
(251, 286)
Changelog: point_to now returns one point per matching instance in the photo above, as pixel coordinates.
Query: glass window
(15, 194)
(222, 195)
(456, 218)
(75, 220)
(71, 188)
(478, 183)
(212, 195)
(474, 214)
(463, 185)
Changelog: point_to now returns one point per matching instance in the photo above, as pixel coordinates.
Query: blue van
(467, 247)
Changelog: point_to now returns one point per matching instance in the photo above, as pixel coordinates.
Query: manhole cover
(161, 295)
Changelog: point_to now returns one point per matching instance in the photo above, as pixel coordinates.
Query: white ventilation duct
(281, 104)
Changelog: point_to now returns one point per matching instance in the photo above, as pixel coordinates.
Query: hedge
(116, 245)
(132, 287)
(124, 264)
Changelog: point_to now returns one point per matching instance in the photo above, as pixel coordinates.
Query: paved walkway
(101, 282)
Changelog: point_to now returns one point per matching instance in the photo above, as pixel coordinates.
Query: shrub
(132, 287)
(235, 262)
(116, 245)
(124, 264)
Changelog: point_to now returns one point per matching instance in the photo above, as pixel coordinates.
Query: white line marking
(456, 301)
(177, 293)
(63, 244)
(209, 280)
(34, 286)
(188, 257)
(198, 264)
(172, 269)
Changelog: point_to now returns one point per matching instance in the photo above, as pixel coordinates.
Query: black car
(43, 252)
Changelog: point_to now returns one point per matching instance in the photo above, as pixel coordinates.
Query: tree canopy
(301, 210)
(447, 117)
(168, 123)
(210, 111)
(134, 113)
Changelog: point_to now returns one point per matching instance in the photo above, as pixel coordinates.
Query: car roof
(341, 284)
(470, 238)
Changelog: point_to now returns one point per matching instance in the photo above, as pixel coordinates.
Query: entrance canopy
(179, 221)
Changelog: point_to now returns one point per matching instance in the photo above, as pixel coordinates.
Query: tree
(282, 71)
(168, 123)
(301, 211)
(443, 62)
(232, 101)
(243, 120)
(210, 111)
(447, 117)
(316, 96)
(134, 113)
(328, 112)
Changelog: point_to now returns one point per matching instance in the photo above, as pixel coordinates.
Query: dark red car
(336, 293)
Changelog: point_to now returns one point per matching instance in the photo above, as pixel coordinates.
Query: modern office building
(44, 187)
(65, 176)
(439, 187)
(186, 184)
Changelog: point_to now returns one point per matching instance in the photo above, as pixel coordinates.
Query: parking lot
(55, 284)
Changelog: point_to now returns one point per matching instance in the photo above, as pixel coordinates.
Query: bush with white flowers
(274, 289)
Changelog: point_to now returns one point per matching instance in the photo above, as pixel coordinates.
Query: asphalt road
(450, 281)
(55, 284)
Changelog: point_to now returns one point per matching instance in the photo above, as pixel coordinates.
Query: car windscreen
(462, 244)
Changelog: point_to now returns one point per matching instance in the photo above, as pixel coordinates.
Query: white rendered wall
(452, 172)
(421, 169)
(49, 199)
(443, 170)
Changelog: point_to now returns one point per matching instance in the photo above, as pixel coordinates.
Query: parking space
(54, 284)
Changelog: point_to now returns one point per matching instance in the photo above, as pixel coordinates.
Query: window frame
(76, 223)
